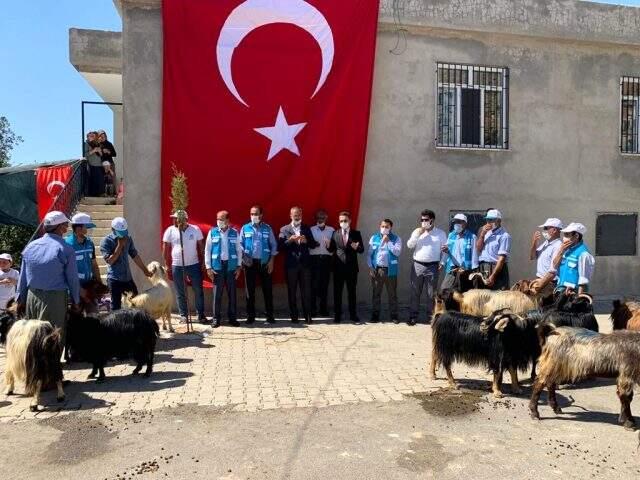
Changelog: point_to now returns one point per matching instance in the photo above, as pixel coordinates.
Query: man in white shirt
(8, 280)
(321, 263)
(427, 241)
(223, 259)
(544, 251)
(382, 258)
(192, 247)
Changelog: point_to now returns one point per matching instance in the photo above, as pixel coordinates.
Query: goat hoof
(91, 375)
(433, 377)
(630, 425)
(33, 408)
(534, 414)
(497, 394)
(60, 399)
(164, 327)
(557, 410)
(171, 330)
(8, 392)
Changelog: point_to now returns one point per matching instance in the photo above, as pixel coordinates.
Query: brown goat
(626, 315)
(573, 354)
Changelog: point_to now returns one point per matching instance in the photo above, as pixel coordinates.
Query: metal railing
(70, 196)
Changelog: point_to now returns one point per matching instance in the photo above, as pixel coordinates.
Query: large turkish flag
(267, 102)
(50, 181)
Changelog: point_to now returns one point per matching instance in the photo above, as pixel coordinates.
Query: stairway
(101, 212)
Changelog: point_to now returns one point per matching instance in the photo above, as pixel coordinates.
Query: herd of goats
(512, 331)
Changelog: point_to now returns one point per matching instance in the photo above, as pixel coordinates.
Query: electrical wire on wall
(398, 7)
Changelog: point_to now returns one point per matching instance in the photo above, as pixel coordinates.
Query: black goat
(123, 334)
(460, 337)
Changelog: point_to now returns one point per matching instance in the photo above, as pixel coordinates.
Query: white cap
(552, 222)
(6, 256)
(106, 163)
(54, 218)
(460, 216)
(575, 227)
(120, 226)
(179, 212)
(82, 219)
(493, 214)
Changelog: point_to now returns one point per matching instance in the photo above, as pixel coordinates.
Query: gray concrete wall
(142, 120)
(95, 51)
(564, 155)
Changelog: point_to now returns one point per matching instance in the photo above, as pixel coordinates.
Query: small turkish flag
(267, 102)
(50, 181)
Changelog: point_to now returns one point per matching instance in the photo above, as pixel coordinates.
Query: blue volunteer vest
(568, 275)
(247, 240)
(216, 249)
(376, 243)
(83, 256)
(469, 245)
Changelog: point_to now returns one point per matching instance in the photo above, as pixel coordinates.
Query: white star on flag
(282, 135)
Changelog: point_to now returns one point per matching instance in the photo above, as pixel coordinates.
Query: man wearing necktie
(345, 245)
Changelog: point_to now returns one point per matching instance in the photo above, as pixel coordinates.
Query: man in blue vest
(462, 255)
(223, 257)
(494, 247)
(85, 253)
(382, 258)
(259, 248)
(574, 262)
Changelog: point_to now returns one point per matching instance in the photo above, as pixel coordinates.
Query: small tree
(13, 238)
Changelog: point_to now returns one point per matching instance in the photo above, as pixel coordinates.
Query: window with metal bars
(473, 106)
(630, 109)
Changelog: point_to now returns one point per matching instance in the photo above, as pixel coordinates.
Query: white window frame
(470, 84)
(636, 114)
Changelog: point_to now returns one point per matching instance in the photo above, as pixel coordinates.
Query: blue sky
(40, 91)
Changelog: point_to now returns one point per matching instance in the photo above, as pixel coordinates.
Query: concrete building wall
(565, 61)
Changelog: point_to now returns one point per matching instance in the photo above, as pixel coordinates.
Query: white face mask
(344, 225)
(222, 224)
(296, 223)
(255, 219)
(427, 223)
(457, 228)
(546, 235)
(385, 231)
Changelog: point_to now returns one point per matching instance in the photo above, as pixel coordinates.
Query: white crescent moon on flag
(52, 184)
(253, 14)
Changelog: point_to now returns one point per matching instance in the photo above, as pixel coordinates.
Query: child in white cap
(8, 280)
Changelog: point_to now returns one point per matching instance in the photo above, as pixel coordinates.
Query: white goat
(158, 300)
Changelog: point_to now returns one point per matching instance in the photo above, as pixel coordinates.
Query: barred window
(473, 106)
(630, 109)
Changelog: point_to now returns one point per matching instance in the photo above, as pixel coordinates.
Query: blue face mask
(457, 228)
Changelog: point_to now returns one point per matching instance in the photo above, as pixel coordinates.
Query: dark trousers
(252, 273)
(380, 280)
(96, 181)
(225, 278)
(502, 280)
(117, 289)
(424, 276)
(299, 277)
(321, 273)
(341, 277)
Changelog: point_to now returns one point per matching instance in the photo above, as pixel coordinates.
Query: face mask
(385, 231)
(344, 225)
(222, 224)
(427, 223)
(296, 223)
(321, 223)
(255, 219)
(457, 228)
(546, 235)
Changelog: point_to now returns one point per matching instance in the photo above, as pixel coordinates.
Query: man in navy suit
(345, 245)
(295, 240)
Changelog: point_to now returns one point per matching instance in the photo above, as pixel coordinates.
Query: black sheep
(124, 334)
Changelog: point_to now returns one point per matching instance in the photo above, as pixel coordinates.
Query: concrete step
(113, 209)
(103, 269)
(98, 201)
(97, 234)
(101, 223)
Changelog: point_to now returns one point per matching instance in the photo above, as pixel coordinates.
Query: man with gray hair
(48, 272)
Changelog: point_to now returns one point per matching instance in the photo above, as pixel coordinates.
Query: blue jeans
(195, 274)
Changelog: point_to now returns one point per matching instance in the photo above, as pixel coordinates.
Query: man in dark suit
(295, 240)
(345, 245)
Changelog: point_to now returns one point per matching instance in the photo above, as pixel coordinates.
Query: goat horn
(588, 297)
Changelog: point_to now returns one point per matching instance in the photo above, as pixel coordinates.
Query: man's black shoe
(355, 320)
(412, 321)
(234, 323)
(215, 323)
(395, 320)
(250, 321)
(374, 319)
(271, 320)
(307, 320)
(202, 319)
